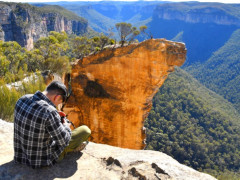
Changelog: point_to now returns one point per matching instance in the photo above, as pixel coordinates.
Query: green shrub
(9, 96)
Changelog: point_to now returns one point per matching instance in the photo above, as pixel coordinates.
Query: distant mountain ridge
(194, 12)
(96, 20)
(103, 15)
(202, 25)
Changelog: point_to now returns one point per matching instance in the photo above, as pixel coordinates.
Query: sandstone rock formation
(97, 161)
(26, 24)
(112, 91)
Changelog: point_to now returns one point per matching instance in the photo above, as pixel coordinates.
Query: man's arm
(61, 133)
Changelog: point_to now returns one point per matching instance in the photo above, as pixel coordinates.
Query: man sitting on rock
(40, 138)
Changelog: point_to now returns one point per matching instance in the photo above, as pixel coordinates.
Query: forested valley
(195, 126)
(188, 121)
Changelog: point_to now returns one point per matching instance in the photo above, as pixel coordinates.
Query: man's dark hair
(57, 87)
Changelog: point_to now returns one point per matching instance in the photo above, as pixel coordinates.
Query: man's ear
(60, 98)
(56, 97)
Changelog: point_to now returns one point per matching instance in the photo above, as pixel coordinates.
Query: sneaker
(81, 147)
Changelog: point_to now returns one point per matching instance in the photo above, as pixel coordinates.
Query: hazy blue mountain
(201, 39)
(221, 71)
(204, 27)
(103, 15)
(97, 21)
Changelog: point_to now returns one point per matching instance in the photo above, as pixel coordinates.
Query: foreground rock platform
(97, 161)
(112, 90)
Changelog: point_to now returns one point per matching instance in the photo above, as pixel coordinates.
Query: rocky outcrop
(26, 24)
(194, 12)
(97, 161)
(112, 91)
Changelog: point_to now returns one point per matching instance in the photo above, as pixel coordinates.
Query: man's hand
(67, 124)
(64, 120)
(63, 116)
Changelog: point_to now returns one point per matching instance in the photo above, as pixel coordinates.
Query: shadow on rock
(64, 169)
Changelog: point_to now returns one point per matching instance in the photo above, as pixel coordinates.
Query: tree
(81, 47)
(104, 40)
(4, 64)
(143, 31)
(52, 46)
(14, 53)
(126, 32)
(60, 65)
(51, 53)
(35, 60)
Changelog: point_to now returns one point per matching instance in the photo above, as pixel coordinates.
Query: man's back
(39, 136)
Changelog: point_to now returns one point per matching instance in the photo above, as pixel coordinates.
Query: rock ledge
(97, 161)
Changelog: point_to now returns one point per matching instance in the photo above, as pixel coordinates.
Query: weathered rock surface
(112, 91)
(26, 24)
(97, 161)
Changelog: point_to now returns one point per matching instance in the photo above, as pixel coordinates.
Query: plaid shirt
(39, 136)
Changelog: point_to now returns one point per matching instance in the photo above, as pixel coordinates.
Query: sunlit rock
(112, 91)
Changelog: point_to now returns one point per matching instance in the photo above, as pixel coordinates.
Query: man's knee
(81, 132)
(85, 130)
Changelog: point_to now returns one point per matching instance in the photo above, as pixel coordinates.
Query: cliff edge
(97, 161)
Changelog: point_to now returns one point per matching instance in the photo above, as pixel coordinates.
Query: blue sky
(223, 1)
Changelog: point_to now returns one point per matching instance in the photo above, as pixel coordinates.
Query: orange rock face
(112, 91)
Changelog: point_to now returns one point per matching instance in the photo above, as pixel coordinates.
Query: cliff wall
(26, 24)
(193, 12)
(112, 91)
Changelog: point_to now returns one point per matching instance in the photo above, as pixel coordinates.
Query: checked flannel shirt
(39, 135)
